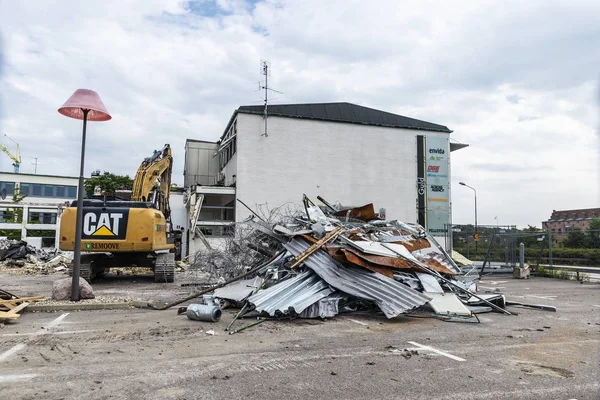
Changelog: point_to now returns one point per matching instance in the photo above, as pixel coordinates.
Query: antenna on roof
(265, 69)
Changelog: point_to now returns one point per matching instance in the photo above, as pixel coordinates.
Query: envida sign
(105, 224)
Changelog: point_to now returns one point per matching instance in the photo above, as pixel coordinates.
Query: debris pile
(11, 305)
(329, 260)
(18, 256)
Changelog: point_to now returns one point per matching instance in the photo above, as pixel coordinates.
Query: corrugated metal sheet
(392, 297)
(298, 293)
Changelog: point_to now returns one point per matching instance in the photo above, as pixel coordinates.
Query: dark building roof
(344, 112)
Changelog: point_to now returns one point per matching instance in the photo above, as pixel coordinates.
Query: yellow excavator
(126, 233)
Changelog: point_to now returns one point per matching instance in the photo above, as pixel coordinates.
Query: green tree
(109, 183)
(594, 233)
(576, 239)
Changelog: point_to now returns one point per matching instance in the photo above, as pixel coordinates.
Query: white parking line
(16, 377)
(18, 347)
(15, 349)
(442, 353)
(50, 333)
(543, 297)
(596, 305)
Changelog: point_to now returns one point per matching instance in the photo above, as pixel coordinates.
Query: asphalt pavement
(148, 354)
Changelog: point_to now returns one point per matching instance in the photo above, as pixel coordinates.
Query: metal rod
(322, 200)
(487, 254)
(210, 289)
(260, 321)
(252, 211)
(448, 281)
(79, 218)
(246, 304)
(237, 316)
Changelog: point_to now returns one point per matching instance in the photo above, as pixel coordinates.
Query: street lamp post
(86, 105)
(475, 191)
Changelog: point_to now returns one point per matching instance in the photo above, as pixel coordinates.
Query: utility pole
(35, 164)
(265, 69)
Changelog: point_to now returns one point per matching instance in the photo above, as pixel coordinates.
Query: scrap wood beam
(324, 240)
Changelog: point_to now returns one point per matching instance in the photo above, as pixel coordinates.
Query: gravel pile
(97, 300)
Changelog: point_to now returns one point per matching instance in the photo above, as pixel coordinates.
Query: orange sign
(476, 237)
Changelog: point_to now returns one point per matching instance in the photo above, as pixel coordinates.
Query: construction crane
(15, 157)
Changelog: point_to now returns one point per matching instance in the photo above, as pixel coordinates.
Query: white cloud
(516, 80)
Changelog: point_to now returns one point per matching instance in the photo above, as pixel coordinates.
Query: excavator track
(85, 268)
(164, 268)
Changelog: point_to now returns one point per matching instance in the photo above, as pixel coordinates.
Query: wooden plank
(19, 308)
(8, 315)
(20, 300)
(327, 238)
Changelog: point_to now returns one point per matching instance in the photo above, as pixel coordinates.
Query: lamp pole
(79, 218)
(474, 191)
(86, 105)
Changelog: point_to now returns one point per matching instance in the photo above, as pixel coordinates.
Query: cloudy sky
(518, 81)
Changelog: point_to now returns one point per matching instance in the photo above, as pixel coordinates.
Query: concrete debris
(61, 289)
(21, 258)
(323, 261)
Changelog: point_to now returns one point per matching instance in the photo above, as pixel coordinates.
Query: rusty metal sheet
(401, 263)
(352, 258)
(365, 213)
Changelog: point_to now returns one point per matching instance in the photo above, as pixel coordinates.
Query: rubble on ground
(11, 305)
(18, 257)
(327, 260)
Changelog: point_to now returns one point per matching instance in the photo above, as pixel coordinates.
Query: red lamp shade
(84, 99)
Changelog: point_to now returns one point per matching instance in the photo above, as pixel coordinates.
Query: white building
(343, 152)
(35, 218)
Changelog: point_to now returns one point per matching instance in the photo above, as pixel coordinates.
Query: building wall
(563, 221)
(201, 164)
(38, 212)
(350, 163)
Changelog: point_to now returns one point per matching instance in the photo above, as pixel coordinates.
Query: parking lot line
(442, 353)
(15, 349)
(16, 377)
(18, 347)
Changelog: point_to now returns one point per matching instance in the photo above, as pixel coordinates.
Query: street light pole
(84, 105)
(475, 191)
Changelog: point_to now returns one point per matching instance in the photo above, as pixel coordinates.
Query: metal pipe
(260, 321)
(487, 254)
(204, 312)
(237, 316)
(79, 218)
(252, 211)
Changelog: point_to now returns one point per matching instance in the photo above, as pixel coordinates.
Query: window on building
(72, 192)
(559, 230)
(42, 217)
(553, 230)
(60, 191)
(36, 190)
(24, 189)
(48, 190)
(9, 187)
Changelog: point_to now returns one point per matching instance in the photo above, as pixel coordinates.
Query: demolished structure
(325, 260)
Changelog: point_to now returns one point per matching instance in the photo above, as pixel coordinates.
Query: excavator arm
(152, 181)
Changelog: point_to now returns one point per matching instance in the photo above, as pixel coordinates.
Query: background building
(563, 221)
(34, 218)
(343, 152)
